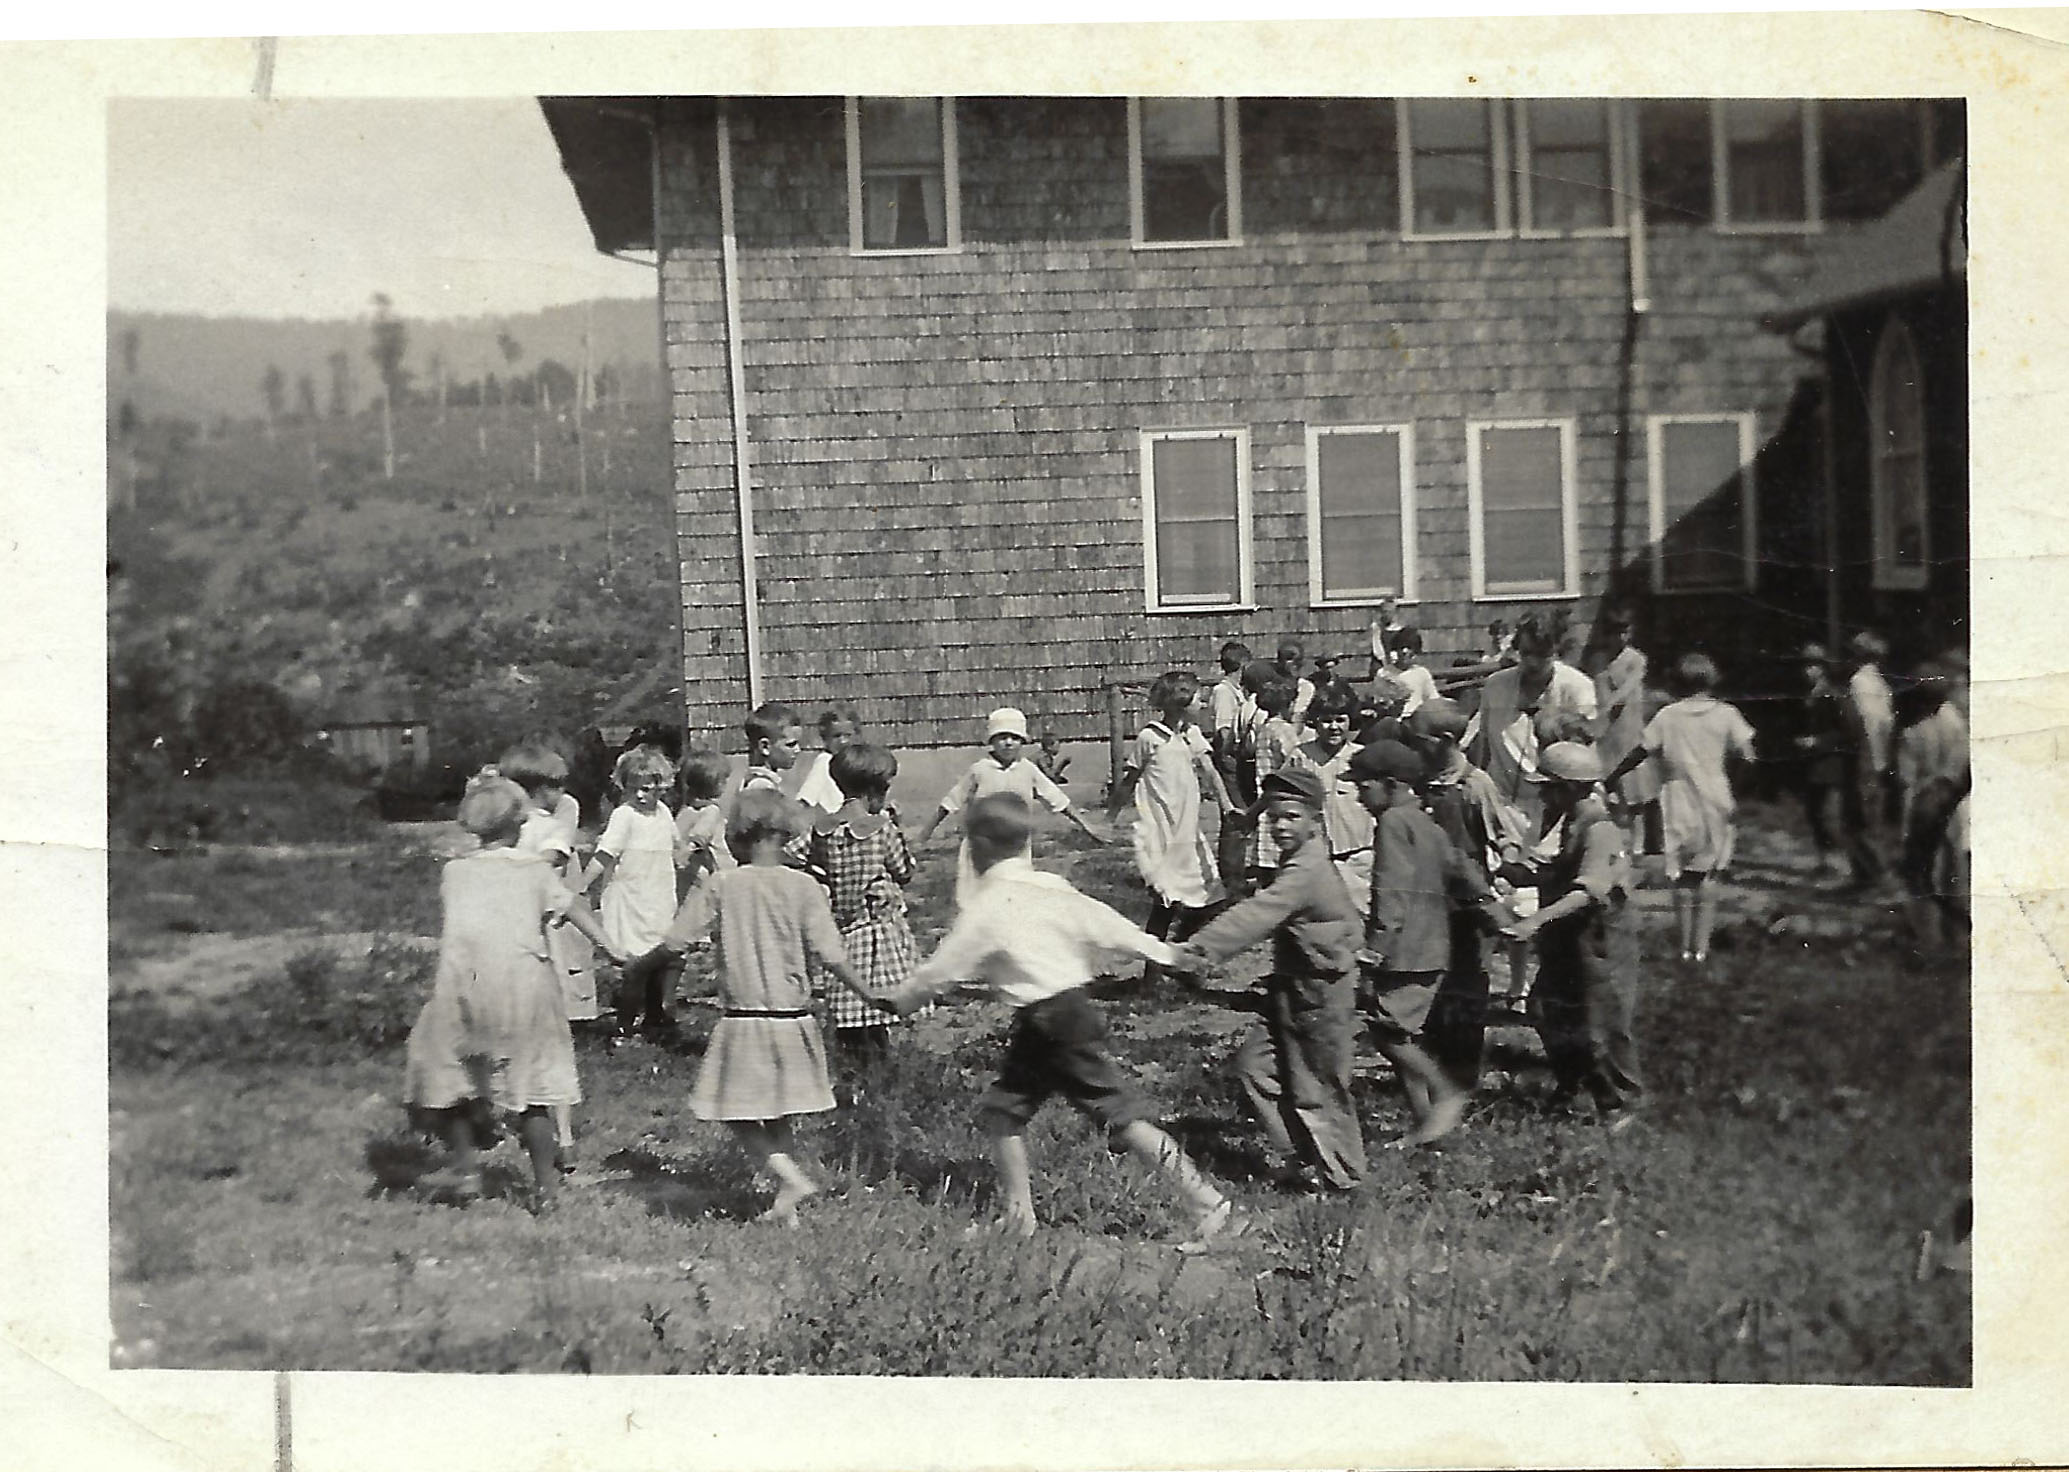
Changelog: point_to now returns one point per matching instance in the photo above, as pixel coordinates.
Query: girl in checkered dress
(861, 852)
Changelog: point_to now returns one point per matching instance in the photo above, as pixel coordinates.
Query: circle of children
(1380, 867)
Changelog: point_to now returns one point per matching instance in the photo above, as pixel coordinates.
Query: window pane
(1184, 173)
(1702, 544)
(1872, 153)
(902, 211)
(1763, 143)
(1452, 168)
(900, 131)
(1523, 543)
(1674, 149)
(1198, 548)
(1360, 497)
(1569, 165)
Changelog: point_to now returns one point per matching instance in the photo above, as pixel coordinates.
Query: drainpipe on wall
(736, 384)
(1828, 489)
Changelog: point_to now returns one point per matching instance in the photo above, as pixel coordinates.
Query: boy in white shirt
(1033, 940)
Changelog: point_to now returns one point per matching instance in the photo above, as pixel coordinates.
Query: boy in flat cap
(1417, 878)
(1295, 1070)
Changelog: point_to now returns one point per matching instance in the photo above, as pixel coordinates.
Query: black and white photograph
(839, 725)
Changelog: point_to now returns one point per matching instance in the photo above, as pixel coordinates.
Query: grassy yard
(1760, 1221)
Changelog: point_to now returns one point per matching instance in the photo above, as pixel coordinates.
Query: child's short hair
(1000, 819)
(533, 764)
(1332, 702)
(1234, 655)
(1290, 651)
(641, 761)
(768, 721)
(1276, 697)
(757, 815)
(1407, 640)
(492, 806)
(1387, 698)
(1259, 673)
(835, 715)
(1694, 674)
(1535, 635)
(704, 774)
(861, 770)
(1174, 690)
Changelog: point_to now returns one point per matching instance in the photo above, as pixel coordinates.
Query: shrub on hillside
(170, 811)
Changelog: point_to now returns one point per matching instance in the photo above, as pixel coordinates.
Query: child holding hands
(766, 1062)
(1003, 769)
(635, 864)
(1169, 768)
(861, 853)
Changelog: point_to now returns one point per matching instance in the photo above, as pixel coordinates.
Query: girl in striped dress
(766, 1061)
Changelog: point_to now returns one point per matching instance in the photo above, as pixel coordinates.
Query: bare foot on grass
(1443, 1118)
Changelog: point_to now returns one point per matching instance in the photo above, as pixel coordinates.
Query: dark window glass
(1569, 165)
(1763, 162)
(1674, 161)
(904, 173)
(1184, 169)
(1873, 154)
(1451, 165)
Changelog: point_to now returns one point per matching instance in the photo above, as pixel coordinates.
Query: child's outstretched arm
(935, 819)
(583, 919)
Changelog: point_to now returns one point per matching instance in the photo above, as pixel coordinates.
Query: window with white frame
(1454, 166)
(1571, 160)
(1520, 500)
(1896, 463)
(1764, 163)
(902, 190)
(1184, 171)
(1361, 512)
(1700, 471)
(1196, 518)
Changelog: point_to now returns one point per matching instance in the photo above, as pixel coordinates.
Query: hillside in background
(204, 368)
(510, 577)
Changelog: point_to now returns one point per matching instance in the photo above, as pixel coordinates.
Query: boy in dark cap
(1417, 876)
(1295, 1070)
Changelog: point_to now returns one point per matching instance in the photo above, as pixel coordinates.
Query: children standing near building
(494, 1033)
(635, 864)
(700, 828)
(1584, 997)
(1404, 671)
(1035, 941)
(1831, 746)
(862, 854)
(1276, 745)
(1288, 665)
(1049, 758)
(1002, 769)
(1229, 727)
(1295, 1069)
(1691, 740)
(766, 1062)
(1169, 769)
(816, 789)
(1345, 823)
(1418, 879)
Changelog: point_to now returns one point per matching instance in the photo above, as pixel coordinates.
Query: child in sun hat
(766, 1061)
(1002, 769)
(1584, 997)
(1035, 941)
(493, 1035)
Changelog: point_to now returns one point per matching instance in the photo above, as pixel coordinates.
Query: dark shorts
(1058, 1046)
(1401, 1004)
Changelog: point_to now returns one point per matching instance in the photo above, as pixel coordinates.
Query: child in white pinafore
(1004, 769)
(635, 863)
(1169, 770)
(1691, 740)
(766, 1062)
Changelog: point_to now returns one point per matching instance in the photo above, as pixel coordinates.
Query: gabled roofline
(606, 150)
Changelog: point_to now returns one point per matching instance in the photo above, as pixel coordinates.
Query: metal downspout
(736, 383)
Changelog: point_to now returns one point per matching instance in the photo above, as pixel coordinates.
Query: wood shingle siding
(945, 448)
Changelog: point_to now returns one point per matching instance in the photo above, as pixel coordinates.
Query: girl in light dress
(1690, 740)
(766, 1062)
(493, 1035)
(861, 854)
(1002, 769)
(635, 864)
(1169, 770)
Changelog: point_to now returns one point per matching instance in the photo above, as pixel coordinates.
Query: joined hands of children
(1522, 929)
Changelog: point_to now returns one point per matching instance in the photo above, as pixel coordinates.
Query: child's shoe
(1216, 1224)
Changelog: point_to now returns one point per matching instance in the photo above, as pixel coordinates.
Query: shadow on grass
(669, 1192)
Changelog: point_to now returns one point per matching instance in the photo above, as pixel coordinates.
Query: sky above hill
(307, 208)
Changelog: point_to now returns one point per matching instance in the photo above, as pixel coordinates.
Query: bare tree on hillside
(273, 386)
(305, 399)
(132, 341)
(340, 384)
(391, 341)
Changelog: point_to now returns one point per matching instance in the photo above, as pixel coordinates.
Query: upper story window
(902, 190)
(1361, 512)
(1896, 463)
(1184, 171)
(1747, 164)
(1521, 518)
(1700, 472)
(1539, 166)
(1196, 519)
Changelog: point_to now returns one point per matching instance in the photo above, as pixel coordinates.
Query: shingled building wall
(945, 448)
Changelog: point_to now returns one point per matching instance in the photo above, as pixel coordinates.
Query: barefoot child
(494, 1032)
(543, 773)
(1168, 769)
(1583, 999)
(766, 1062)
(1004, 769)
(1691, 740)
(1417, 879)
(1295, 1069)
(861, 853)
(635, 864)
(1035, 941)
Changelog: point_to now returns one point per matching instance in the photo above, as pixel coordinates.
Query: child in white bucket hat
(1002, 769)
